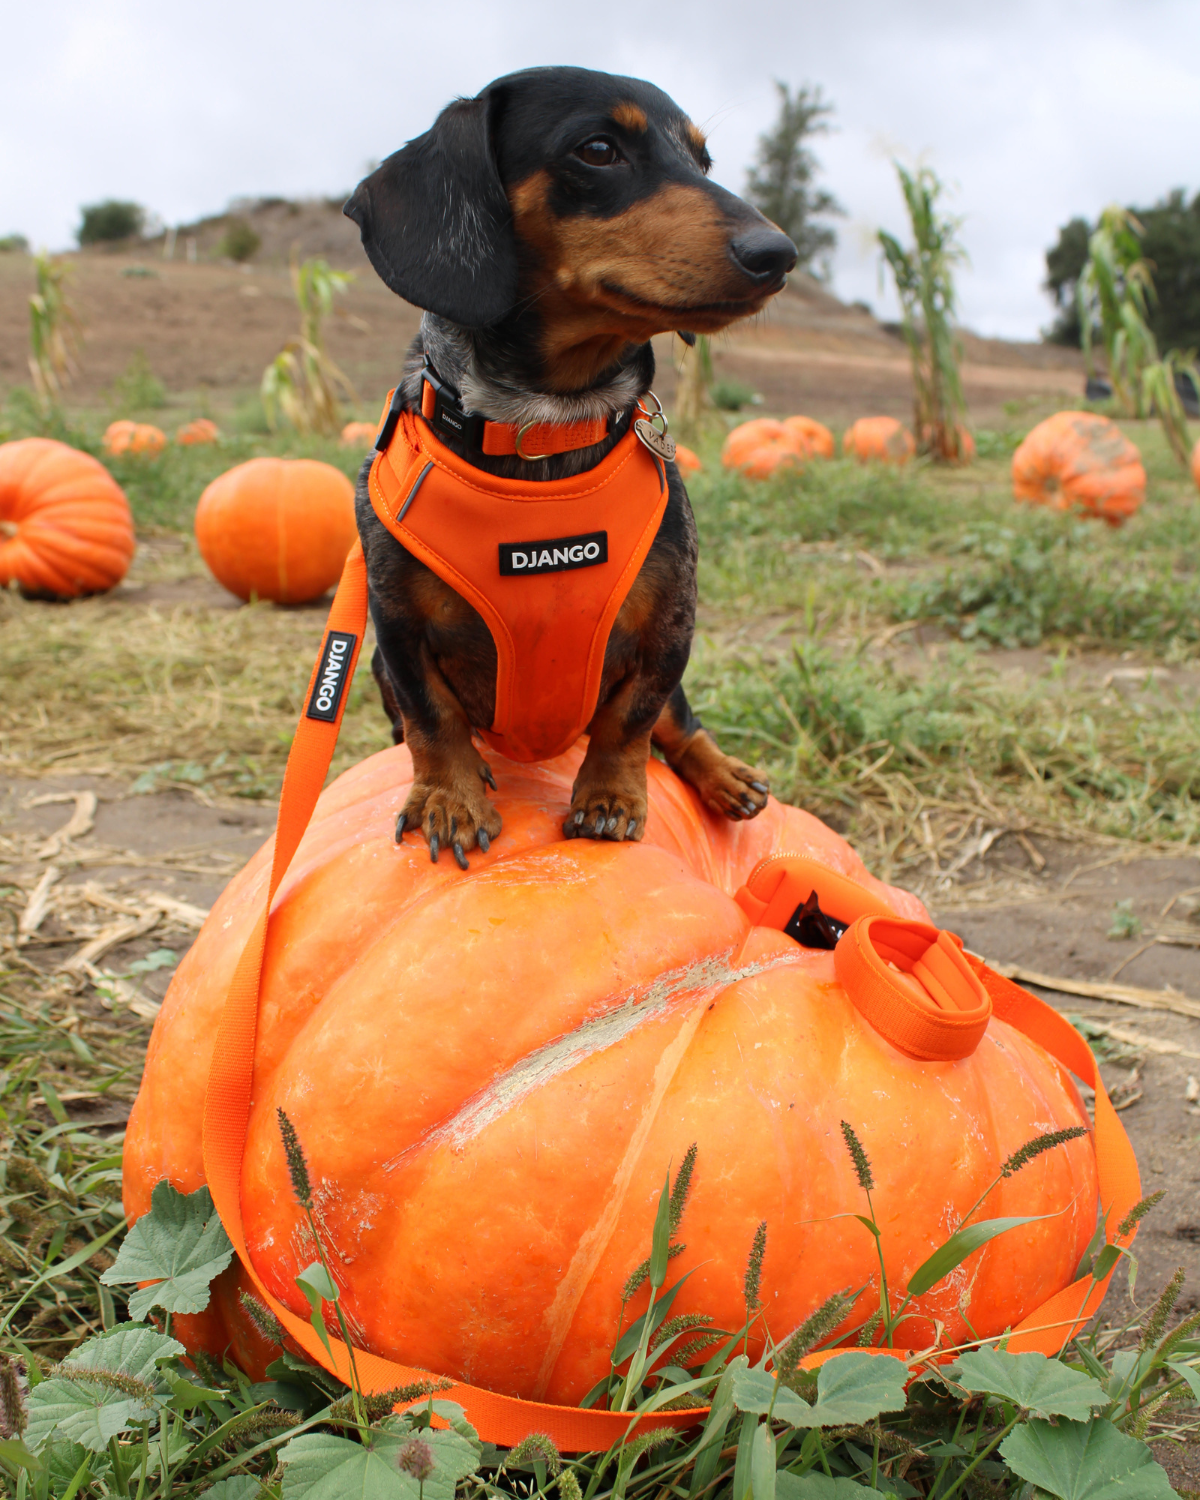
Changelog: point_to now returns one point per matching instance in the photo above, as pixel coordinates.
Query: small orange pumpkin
(201, 430)
(65, 526)
(488, 1111)
(686, 461)
(809, 436)
(1196, 464)
(1080, 460)
(358, 434)
(747, 437)
(133, 437)
(277, 528)
(882, 439)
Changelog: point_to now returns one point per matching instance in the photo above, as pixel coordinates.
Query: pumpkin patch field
(996, 702)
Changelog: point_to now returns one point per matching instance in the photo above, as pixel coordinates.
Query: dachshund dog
(549, 228)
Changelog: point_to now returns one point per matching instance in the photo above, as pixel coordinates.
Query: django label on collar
(554, 555)
(331, 676)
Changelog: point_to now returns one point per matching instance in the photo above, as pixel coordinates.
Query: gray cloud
(1031, 111)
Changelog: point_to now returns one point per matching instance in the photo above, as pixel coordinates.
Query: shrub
(13, 243)
(139, 388)
(111, 220)
(732, 395)
(240, 242)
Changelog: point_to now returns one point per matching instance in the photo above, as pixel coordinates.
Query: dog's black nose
(763, 253)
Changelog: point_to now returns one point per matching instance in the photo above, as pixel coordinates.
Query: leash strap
(505, 1420)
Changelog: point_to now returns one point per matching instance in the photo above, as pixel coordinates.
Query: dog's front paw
(458, 816)
(608, 810)
(726, 785)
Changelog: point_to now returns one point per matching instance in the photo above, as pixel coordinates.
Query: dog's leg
(448, 803)
(387, 692)
(608, 800)
(725, 784)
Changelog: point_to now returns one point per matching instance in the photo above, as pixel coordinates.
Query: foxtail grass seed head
(753, 1277)
(682, 1187)
(262, 1317)
(1138, 1212)
(297, 1166)
(1023, 1155)
(866, 1334)
(538, 1446)
(815, 1329)
(112, 1380)
(862, 1166)
(416, 1459)
(1161, 1311)
(568, 1486)
(14, 1390)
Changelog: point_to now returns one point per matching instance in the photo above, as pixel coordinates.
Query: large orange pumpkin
(65, 526)
(809, 436)
(200, 430)
(277, 528)
(1196, 464)
(490, 1073)
(1080, 460)
(879, 439)
(133, 437)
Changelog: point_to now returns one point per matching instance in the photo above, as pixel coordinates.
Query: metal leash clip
(652, 437)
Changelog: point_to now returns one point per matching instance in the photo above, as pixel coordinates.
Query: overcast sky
(1031, 110)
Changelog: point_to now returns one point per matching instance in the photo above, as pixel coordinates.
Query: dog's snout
(763, 253)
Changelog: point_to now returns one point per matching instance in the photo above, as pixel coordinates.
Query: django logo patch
(555, 555)
(331, 677)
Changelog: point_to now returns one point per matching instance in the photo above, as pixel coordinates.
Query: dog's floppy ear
(436, 223)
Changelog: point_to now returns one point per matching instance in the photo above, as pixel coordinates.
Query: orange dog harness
(548, 566)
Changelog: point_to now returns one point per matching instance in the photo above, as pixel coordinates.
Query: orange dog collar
(548, 566)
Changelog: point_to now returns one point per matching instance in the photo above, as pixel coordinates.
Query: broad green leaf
(180, 1245)
(1031, 1381)
(1189, 1373)
(64, 1461)
(321, 1466)
(958, 1247)
(754, 1390)
(817, 1486)
(1085, 1461)
(238, 1487)
(13, 1451)
(855, 1387)
(78, 1410)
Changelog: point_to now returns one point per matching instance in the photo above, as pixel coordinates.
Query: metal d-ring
(656, 414)
(529, 457)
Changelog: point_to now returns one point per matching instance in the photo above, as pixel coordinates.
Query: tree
(780, 184)
(925, 285)
(1065, 261)
(110, 220)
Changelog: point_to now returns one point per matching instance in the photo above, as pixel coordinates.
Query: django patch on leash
(554, 555)
(331, 678)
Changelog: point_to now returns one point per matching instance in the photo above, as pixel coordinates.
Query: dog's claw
(599, 824)
(611, 824)
(433, 848)
(629, 827)
(759, 787)
(485, 843)
(401, 819)
(486, 773)
(749, 807)
(578, 819)
(460, 857)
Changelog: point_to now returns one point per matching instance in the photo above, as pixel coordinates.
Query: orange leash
(505, 1420)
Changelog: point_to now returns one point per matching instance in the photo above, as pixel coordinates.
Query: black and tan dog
(549, 228)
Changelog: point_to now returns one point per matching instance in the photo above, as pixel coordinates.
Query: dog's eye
(598, 153)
